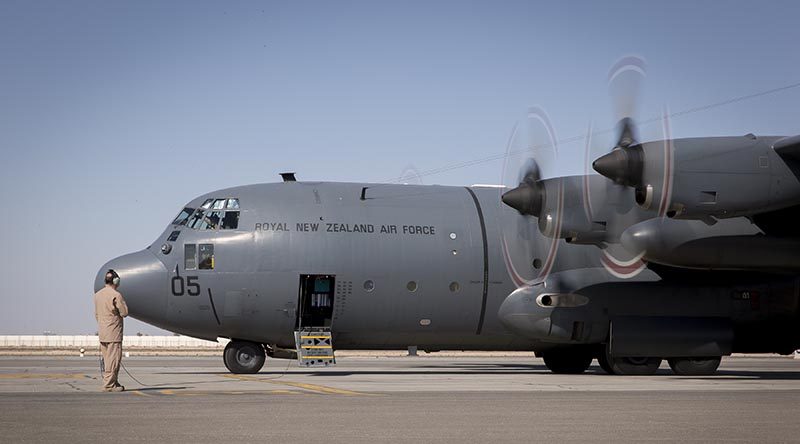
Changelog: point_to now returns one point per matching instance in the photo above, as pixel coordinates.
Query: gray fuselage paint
(398, 234)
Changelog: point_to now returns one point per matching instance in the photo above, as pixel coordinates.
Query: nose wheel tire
(568, 361)
(243, 357)
(694, 366)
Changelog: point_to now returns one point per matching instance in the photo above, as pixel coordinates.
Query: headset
(112, 277)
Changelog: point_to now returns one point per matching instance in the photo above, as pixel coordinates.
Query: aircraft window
(233, 204)
(206, 257)
(189, 259)
(208, 221)
(230, 221)
(196, 219)
(174, 236)
(207, 204)
(181, 219)
(212, 220)
(411, 286)
(219, 204)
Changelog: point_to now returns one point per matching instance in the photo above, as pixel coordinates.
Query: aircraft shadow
(504, 369)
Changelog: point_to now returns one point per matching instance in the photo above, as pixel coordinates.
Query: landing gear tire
(243, 357)
(694, 366)
(568, 361)
(629, 366)
(634, 366)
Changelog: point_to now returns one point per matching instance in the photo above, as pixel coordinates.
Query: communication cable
(692, 110)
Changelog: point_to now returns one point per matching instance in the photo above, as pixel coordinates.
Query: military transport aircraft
(680, 249)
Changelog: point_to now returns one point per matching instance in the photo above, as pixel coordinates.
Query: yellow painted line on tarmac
(42, 376)
(322, 389)
(284, 392)
(140, 393)
(167, 392)
(238, 393)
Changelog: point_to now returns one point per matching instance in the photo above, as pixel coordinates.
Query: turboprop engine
(709, 177)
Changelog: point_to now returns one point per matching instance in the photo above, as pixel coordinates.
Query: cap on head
(112, 277)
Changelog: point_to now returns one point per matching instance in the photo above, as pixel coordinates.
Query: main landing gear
(694, 366)
(243, 356)
(568, 361)
(576, 360)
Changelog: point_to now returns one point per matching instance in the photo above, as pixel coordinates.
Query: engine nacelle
(651, 318)
(704, 178)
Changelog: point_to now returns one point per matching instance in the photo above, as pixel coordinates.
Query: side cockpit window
(215, 214)
(230, 221)
(183, 217)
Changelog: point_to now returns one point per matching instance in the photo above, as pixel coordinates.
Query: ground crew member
(109, 309)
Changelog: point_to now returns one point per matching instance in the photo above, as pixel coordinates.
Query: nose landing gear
(242, 357)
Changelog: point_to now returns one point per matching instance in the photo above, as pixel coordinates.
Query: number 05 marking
(189, 285)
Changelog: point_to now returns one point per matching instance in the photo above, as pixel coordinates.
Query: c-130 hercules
(681, 249)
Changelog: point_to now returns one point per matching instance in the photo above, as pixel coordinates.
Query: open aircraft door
(314, 318)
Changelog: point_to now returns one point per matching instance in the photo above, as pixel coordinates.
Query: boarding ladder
(314, 346)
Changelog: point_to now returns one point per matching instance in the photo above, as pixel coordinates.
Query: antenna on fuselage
(288, 177)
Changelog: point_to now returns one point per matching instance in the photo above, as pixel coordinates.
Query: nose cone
(613, 165)
(525, 198)
(143, 284)
(622, 165)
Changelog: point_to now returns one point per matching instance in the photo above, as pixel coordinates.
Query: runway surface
(424, 399)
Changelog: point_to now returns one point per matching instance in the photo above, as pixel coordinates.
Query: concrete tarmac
(381, 399)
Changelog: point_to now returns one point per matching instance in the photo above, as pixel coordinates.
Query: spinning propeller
(582, 209)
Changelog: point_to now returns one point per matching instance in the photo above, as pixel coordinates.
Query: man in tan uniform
(109, 309)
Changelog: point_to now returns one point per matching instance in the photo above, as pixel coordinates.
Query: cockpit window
(215, 214)
(212, 220)
(230, 221)
(196, 219)
(181, 219)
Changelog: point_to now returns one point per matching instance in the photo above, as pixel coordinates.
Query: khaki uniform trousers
(112, 356)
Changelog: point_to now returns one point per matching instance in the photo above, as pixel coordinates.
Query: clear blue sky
(112, 115)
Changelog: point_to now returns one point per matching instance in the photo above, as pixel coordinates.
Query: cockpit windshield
(181, 219)
(215, 214)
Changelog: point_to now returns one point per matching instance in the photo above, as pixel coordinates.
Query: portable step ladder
(314, 346)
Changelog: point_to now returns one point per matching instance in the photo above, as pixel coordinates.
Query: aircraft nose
(143, 284)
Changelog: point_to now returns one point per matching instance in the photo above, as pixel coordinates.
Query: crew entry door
(315, 301)
(312, 334)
